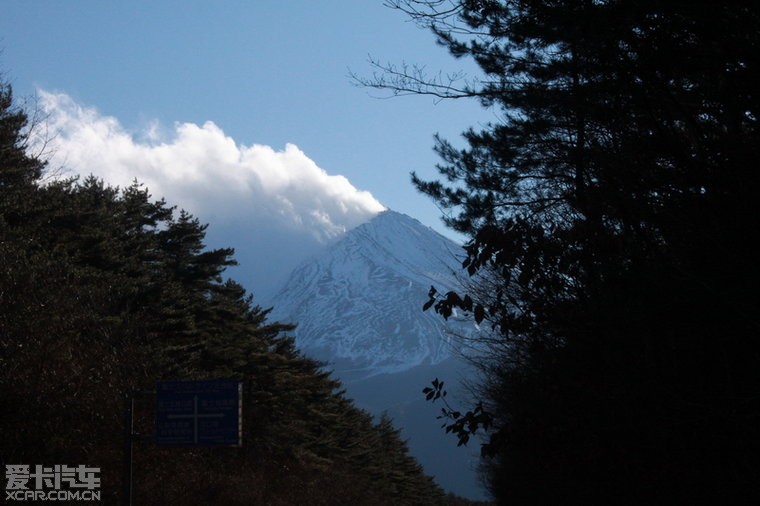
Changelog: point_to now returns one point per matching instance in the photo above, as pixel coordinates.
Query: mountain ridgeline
(358, 303)
(103, 292)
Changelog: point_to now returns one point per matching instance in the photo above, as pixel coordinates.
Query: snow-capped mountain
(358, 306)
(358, 303)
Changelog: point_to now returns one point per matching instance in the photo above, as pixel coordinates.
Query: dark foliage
(102, 293)
(612, 209)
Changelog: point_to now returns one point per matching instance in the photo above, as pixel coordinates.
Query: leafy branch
(464, 425)
(445, 305)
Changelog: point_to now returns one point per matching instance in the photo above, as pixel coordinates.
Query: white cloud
(201, 169)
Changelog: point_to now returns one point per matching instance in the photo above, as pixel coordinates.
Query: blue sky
(264, 73)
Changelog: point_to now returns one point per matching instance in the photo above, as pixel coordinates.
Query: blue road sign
(199, 413)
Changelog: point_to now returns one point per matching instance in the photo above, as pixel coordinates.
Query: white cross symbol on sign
(195, 416)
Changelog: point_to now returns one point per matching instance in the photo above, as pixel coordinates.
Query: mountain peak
(390, 217)
(390, 214)
(358, 303)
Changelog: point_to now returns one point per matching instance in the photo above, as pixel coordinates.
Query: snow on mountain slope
(358, 303)
(358, 307)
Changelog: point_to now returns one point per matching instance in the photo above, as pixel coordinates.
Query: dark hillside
(103, 292)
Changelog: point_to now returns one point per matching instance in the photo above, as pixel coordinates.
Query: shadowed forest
(611, 208)
(103, 292)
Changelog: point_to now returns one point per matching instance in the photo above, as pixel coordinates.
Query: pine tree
(611, 207)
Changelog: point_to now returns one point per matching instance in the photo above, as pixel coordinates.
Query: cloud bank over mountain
(275, 207)
(201, 169)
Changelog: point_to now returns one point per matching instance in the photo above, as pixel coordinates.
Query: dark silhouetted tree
(612, 209)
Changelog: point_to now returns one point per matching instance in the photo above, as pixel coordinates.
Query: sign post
(129, 438)
(188, 413)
